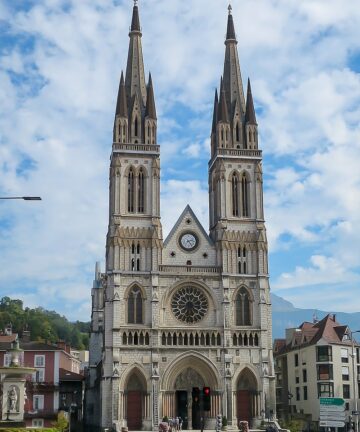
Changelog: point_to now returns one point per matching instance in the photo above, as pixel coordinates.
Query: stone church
(173, 316)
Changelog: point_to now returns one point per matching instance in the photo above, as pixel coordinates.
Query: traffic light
(196, 395)
(218, 422)
(206, 396)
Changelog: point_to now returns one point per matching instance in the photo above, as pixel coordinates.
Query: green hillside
(43, 324)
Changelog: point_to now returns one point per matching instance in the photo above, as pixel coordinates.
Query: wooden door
(134, 410)
(243, 405)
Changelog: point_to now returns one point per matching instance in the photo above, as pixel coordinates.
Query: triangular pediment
(188, 242)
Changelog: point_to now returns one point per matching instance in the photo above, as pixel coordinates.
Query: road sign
(355, 412)
(332, 401)
(332, 423)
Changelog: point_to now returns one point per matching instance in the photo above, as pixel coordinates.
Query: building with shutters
(173, 315)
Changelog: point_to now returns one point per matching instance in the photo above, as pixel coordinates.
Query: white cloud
(59, 113)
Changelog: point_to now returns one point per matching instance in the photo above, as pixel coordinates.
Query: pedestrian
(177, 423)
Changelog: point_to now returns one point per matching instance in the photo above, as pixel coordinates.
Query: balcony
(242, 153)
(41, 413)
(44, 386)
(189, 269)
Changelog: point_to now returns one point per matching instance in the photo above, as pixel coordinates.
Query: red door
(134, 411)
(243, 405)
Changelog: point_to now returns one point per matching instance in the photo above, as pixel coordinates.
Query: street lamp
(25, 198)
(354, 379)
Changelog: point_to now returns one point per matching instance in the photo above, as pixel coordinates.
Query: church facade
(172, 317)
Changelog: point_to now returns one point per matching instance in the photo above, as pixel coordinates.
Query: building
(170, 317)
(318, 359)
(43, 388)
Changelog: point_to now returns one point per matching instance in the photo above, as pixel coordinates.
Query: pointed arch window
(242, 308)
(237, 132)
(135, 259)
(235, 194)
(136, 127)
(141, 191)
(131, 190)
(245, 196)
(135, 306)
(242, 260)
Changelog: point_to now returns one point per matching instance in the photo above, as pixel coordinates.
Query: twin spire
(135, 101)
(233, 114)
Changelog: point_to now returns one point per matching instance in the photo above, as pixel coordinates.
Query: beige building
(316, 360)
(172, 316)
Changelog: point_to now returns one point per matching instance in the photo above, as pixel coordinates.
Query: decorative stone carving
(189, 305)
(13, 397)
(188, 379)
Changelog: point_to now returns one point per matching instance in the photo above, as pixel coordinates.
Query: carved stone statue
(13, 398)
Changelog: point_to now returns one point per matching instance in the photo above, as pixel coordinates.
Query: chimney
(25, 336)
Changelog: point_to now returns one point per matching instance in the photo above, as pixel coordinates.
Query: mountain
(286, 315)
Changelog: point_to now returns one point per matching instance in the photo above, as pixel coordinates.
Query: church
(181, 326)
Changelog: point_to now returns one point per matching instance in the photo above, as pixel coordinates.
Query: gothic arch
(135, 304)
(243, 301)
(137, 370)
(132, 285)
(247, 370)
(195, 361)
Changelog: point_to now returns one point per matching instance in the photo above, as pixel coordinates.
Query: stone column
(155, 402)
(234, 408)
(189, 398)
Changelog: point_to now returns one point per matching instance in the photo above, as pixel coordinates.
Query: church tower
(182, 327)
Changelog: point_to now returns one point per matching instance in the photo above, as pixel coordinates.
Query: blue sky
(60, 63)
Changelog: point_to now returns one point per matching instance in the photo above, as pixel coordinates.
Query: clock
(188, 241)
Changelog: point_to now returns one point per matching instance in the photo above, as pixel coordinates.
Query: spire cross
(135, 2)
(229, 8)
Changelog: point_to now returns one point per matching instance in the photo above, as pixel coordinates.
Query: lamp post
(354, 363)
(25, 198)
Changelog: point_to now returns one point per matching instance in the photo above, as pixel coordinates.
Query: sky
(60, 63)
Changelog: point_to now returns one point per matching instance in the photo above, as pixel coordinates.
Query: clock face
(188, 241)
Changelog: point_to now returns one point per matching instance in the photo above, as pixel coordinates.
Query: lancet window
(242, 308)
(131, 191)
(135, 257)
(245, 196)
(141, 191)
(235, 195)
(242, 260)
(135, 306)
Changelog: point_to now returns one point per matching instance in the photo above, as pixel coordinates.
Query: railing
(188, 269)
(246, 338)
(118, 147)
(41, 386)
(191, 338)
(41, 413)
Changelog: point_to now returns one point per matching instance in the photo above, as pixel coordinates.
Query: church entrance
(134, 410)
(246, 396)
(182, 407)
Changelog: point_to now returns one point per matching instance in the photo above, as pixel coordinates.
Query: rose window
(189, 305)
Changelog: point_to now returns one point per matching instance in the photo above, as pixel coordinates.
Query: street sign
(355, 412)
(332, 401)
(332, 423)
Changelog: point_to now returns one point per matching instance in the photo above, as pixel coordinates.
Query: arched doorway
(246, 396)
(135, 389)
(187, 399)
(182, 384)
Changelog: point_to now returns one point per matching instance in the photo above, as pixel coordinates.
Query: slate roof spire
(232, 74)
(223, 115)
(230, 33)
(150, 101)
(216, 103)
(135, 22)
(135, 74)
(250, 116)
(121, 105)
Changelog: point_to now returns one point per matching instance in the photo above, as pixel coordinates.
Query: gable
(188, 242)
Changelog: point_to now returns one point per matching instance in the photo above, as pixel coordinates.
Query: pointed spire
(250, 116)
(216, 103)
(121, 105)
(230, 34)
(135, 75)
(222, 108)
(135, 22)
(150, 100)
